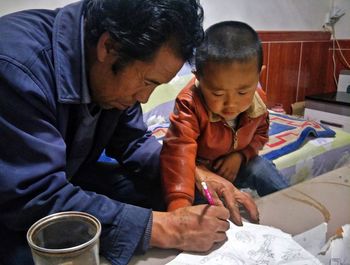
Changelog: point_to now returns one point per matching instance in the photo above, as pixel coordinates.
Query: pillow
(164, 94)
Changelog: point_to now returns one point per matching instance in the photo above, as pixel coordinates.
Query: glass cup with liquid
(65, 238)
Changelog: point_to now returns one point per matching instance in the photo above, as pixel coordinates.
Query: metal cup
(65, 238)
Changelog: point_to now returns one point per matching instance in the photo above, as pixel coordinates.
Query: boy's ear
(263, 69)
(263, 76)
(104, 47)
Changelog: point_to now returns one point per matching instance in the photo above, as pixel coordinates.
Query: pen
(207, 193)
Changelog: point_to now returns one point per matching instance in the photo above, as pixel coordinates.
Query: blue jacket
(45, 134)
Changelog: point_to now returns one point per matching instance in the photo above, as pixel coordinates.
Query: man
(71, 84)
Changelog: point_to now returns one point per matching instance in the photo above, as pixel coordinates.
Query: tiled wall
(299, 63)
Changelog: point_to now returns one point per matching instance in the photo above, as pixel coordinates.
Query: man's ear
(104, 47)
(195, 73)
(196, 82)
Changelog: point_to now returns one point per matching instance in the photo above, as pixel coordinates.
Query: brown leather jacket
(196, 133)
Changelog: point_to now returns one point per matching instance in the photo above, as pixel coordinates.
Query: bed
(301, 149)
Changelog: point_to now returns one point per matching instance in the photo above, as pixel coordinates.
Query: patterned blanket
(288, 133)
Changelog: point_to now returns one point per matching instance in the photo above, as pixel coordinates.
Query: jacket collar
(68, 52)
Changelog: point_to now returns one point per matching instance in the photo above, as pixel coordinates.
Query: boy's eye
(218, 94)
(242, 93)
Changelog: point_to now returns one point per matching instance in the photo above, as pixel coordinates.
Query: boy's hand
(223, 190)
(228, 166)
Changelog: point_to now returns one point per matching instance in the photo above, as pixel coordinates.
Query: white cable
(341, 53)
(333, 57)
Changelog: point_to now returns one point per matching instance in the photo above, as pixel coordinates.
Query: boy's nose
(231, 102)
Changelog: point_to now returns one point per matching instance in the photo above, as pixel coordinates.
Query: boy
(219, 119)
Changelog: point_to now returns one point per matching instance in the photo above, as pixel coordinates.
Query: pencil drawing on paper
(264, 254)
(222, 258)
(252, 244)
(245, 237)
(291, 255)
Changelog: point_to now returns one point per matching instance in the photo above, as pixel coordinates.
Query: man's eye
(242, 93)
(150, 84)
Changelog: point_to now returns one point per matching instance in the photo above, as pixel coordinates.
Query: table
(329, 108)
(298, 208)
(294, 210)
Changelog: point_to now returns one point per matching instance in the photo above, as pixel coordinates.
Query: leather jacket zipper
(235, 138)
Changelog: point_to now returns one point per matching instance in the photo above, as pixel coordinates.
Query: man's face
(134, 83)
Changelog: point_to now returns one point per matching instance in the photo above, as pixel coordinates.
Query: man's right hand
(194, 228)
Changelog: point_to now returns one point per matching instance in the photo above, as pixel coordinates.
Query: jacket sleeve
(178, 156)
(33, 182)
(260, 138)
(135, 147)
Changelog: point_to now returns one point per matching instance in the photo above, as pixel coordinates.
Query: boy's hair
(229, 41)
(140, 27)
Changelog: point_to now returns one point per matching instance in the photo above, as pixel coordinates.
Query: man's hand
(228, 166)
(222, 189)
(193, 228)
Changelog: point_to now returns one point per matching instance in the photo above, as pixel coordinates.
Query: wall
(284, 15)
(296, 65)
(13, 6)
(261, 14)
(298, 54)
(300, 63)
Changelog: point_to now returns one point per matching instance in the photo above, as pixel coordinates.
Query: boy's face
(228, 88)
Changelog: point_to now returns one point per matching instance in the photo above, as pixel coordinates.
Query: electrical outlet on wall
(332, 17)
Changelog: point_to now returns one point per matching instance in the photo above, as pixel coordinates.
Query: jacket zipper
(235, 139)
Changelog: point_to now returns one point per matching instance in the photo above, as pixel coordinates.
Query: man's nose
(143, 95)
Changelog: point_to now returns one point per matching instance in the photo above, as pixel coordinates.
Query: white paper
(252, 244)
(336, 251)
(313, 240)
(322, 141)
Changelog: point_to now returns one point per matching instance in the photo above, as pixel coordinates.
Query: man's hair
(140, 27)
(228, 42)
